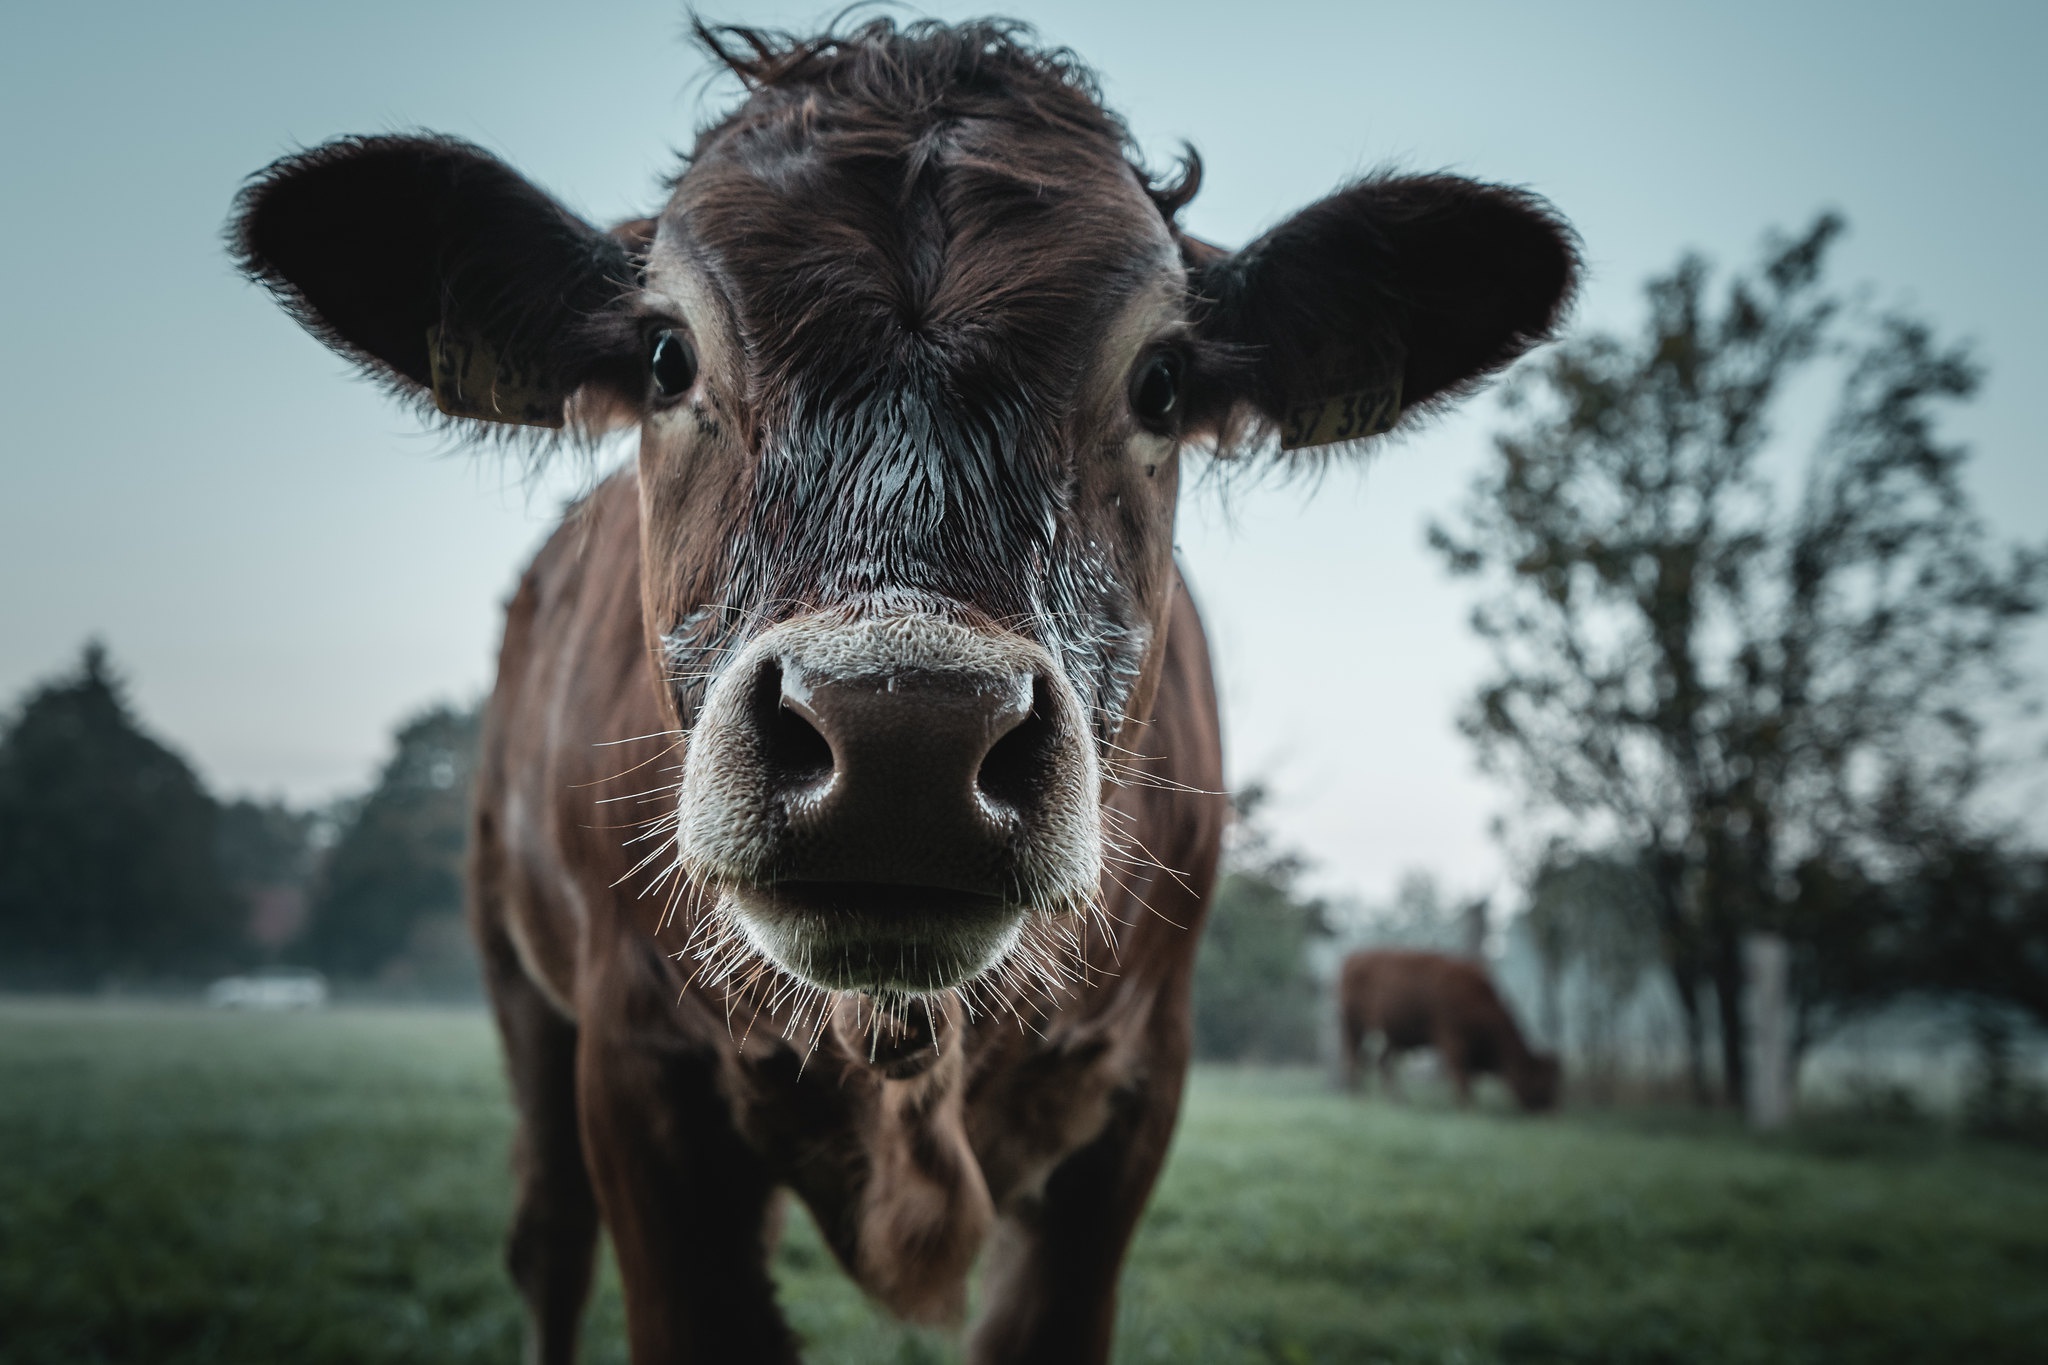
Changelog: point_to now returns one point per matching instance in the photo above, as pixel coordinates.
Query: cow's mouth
(880, 938)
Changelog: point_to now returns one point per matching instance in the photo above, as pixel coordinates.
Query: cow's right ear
(1395, 295)
(447, 275)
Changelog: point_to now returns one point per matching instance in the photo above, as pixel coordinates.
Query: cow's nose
(917, 777)
(881, 803)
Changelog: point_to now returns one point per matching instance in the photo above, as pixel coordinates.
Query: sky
(285, 565)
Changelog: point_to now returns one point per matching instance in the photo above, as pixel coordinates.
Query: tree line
(117, 865)
(1745, 683)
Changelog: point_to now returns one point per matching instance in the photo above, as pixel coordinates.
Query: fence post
(1472, 928)
(1766, 998)
(1325, 966)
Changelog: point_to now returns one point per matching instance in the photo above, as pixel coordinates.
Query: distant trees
(117, 864)
(1255, 996)
(107, 844)
(1418, 916)
(1972, 922)
(1761, 696)
(399, 859)
(1590, 919)
(270, 852)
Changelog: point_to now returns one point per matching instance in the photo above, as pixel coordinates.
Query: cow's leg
(1053, 1263)
(686, 1201)
(1353, 1044)
(554, 1229)
(1457, 1065)
(1390, 1070)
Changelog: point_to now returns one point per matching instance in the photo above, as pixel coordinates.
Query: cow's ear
(1392, 296)
(444, 273)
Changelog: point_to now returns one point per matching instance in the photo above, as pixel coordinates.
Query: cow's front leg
(1053, 1264)
(685, 1199)
(554, 1230)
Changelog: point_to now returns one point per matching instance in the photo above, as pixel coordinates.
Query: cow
(848, 796)
(1433, 1000)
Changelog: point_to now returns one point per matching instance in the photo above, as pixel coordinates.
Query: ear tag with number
(472, 380)
(1345, 417)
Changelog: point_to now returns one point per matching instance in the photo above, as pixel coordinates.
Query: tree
(399, 858)
(1684, 667)
(268, 853)
(107, 863)
(1590, 916)
(1973, 924)
(1418, 916)
(1970, 923)
(1255, 997)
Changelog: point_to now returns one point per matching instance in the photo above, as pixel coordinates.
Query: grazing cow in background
(1417, 1000)
(848, 794)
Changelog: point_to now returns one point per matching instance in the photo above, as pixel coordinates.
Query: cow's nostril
(1014, 770)
(796, 750)
(791, 746)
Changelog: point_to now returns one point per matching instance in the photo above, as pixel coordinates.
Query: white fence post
(1472, 928)
(1766, 997)
(1325, 966)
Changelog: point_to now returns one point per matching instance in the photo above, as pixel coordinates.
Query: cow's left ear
(1394, 295)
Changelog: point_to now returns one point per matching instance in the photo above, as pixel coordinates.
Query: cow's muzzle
(883, 803)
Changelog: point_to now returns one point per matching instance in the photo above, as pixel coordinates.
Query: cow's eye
(1155, 388)
(673, 363)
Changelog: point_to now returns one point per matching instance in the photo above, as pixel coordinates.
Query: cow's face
(908, 473)
(914, 351)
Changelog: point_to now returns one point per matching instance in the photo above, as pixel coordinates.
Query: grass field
(177, 1186)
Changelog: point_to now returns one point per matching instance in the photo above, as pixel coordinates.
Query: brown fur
(921, 280)
(1049, 1128)
(1430, 1000)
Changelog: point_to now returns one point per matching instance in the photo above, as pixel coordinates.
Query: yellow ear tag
(1346, 417)
(472, 380)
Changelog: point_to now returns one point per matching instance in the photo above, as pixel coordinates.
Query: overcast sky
(285, 566)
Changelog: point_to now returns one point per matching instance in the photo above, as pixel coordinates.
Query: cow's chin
(876, 938)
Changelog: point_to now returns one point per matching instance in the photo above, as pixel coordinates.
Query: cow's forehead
(990, 242)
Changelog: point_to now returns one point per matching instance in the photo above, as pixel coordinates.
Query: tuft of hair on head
(931, 69)
(879, 61)
(1174, 192)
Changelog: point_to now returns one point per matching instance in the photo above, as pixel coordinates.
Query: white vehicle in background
(284, 988)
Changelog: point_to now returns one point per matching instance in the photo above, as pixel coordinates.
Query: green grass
(177, 1186)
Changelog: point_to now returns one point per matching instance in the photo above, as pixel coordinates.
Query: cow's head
(914, 348)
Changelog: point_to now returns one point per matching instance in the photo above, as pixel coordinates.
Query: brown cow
(1417, 1000)
(847, 805)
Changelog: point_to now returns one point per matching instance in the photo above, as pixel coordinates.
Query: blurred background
(1687, 684)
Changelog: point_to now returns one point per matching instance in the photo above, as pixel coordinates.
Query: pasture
(183, 1187)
